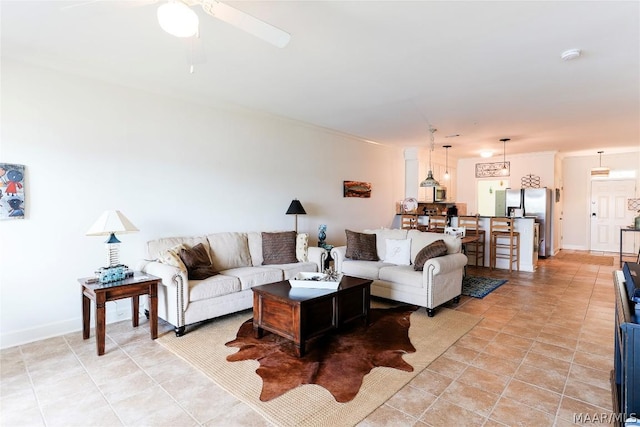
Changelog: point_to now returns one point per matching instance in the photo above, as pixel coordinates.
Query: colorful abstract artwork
(356, 189)
(11, 191)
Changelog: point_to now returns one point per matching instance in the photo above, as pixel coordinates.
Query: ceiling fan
(178, 18)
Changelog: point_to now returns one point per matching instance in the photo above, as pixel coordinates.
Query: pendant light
(600, 171)
(505, 170)
(430, 181)
(446, 170)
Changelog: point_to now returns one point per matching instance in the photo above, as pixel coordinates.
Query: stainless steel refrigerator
(533, 202)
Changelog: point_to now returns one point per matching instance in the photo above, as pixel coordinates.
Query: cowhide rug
(337, 361)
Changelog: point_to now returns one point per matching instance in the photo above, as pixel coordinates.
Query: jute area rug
(310, 404)
(586, 258)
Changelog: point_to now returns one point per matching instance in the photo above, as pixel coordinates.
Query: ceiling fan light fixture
(178, 19)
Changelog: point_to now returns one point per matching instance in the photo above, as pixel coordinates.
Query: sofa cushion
(197, 261)
(435, 249)
(398, 251)
(364, 269)
(171, 257)
(361, 246)
(154, 247)
(212, 287)
(386, 233)
(279, 248)
(302, 247)
(420, 239)
(229, 250)
(254, 276)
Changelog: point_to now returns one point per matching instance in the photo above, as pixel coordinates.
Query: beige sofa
(237, 258)
(439, 282)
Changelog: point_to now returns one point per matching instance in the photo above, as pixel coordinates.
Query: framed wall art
(356, 189)
(486, 170)
(11, 191)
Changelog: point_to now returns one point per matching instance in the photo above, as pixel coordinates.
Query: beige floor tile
(461, 354)
(484, 380)
(411, 401)
(594, 377)
(534, 397)
(571, 408)
(513, 413)
(471, 398)
(385, 415)
(448, 367)
(596, 396)
(430, 382)
(603, 363)
(543, 378)
(445, 413)
(495, 364)
(554, 351)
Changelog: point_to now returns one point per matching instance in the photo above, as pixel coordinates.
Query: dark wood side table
(133, 287)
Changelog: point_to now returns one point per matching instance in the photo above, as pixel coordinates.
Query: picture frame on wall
(356, 189)
(12, 191)
(486, 170)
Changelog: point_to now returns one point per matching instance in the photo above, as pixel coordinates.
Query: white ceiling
(379, 70)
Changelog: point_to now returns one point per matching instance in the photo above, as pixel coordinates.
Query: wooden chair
(437, 223)
(474, 249)
(505, 242)
(408, 221)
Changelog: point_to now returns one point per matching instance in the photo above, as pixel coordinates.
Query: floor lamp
(295, 208)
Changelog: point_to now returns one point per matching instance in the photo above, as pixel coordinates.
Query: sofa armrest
(338, 253)
(317, 256)
(173, 279)
(445, 264)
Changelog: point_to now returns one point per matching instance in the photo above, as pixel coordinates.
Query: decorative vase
(322, 234)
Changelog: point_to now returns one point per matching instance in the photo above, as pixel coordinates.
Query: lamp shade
(295, 208)
(111, 222)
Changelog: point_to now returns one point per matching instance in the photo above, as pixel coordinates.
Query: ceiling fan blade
(246, 22)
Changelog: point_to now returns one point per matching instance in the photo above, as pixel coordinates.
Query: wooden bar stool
(437, 223)
(474, 249)
(408, 222)
(505, 242)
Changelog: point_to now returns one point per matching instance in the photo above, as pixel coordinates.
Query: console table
(100, 293)
(624, 230)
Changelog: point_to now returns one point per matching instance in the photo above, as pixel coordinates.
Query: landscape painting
(357, 189)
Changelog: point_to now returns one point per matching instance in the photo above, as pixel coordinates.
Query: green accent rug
(479, 287)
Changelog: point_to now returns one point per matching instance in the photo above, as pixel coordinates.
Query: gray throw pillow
(197, 261)
(435, 249)
(361, 246)
(279, 248)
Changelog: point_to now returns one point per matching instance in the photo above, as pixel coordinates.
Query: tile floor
(542, 353)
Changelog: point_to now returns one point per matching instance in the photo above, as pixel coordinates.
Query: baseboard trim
(51, 330)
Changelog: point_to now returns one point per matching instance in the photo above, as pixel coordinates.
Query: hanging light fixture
(505, 170)
(600, 171)
(446, 170)
(430, 181)
(178, 19)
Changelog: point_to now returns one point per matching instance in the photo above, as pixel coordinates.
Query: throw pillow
(171, 257)
(197, 261)
(302, 247)
(398, 251)
(361, 246)
(435, 249)
(279, 248)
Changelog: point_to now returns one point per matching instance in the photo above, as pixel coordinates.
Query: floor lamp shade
(295, 208)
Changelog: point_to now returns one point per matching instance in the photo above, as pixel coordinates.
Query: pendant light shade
(446, 170)
(505, 169)
(178, 19)
(430, 181)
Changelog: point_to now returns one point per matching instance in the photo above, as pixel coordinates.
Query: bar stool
(475, 248)
(505, 242)
(408, 222)
(437, 223)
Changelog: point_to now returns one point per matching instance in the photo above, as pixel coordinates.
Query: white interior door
(609, 213)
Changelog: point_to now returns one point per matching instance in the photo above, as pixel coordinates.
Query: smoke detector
(570, 54)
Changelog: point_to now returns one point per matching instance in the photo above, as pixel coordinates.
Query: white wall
(576, 224)
(173, 168)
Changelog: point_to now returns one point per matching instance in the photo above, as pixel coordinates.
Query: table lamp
(295, 208)
(110, 223)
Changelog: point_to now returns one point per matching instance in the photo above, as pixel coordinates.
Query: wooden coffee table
(299, 314)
